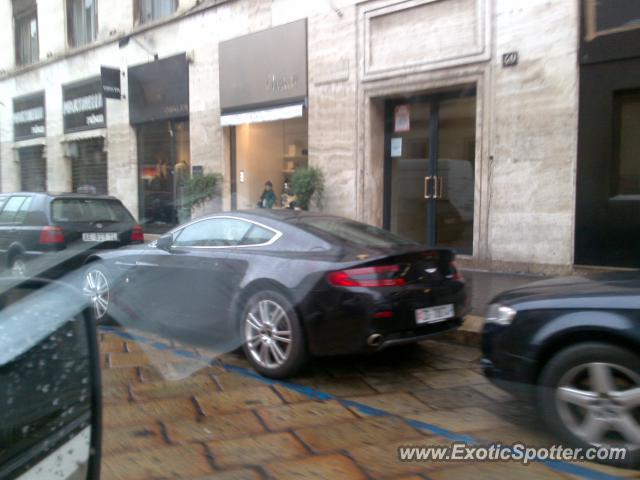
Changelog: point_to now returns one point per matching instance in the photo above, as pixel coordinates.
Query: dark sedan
(572, 345)
(283, 284)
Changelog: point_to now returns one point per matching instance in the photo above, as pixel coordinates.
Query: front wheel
(96, 286)
(273, 338)
(590, 395)
(18, 267)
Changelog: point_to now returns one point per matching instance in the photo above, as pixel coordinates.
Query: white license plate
(434, 314)
(100, 237)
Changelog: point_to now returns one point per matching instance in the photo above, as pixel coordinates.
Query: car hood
(610, 290)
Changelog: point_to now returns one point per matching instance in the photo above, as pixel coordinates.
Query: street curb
(469, 333)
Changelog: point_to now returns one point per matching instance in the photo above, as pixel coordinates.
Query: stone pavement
(171, 413)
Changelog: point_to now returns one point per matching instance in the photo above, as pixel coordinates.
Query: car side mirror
(164, 242)
(50, 413)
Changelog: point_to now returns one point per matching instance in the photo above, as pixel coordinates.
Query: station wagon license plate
(100, 237)
(434, 314)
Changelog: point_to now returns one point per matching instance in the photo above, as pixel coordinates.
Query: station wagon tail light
(454, 273)
(51, 235)
(137, 234)
(380, 276)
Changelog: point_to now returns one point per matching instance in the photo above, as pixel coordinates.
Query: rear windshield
(354, 232)
(89, 210)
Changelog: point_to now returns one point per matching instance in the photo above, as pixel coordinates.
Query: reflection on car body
(284, 284)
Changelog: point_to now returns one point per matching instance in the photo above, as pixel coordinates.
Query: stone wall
(359, 52)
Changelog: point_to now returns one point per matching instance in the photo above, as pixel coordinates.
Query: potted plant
(200, 188)
(308, 184)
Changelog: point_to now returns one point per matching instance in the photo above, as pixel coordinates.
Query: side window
(257, 235)
(215, 232)
(10, 210)
(21, 215)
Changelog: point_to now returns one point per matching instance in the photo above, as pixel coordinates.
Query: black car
(573, 345)
(283, 284)
(54, 233)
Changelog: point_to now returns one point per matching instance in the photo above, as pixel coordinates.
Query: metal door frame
(433, 100)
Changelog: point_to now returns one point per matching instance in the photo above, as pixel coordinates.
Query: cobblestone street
(171, 412)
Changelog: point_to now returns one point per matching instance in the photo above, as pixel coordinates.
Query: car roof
(63, 195)
(283, 215)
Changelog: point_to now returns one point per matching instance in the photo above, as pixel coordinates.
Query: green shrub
(199, 189)
(306, 184)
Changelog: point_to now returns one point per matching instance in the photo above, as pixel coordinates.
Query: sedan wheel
(590, 396)
(19, 268)
(96, 288)
(273, 340)
(268, 334)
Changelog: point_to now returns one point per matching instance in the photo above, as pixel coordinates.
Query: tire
(268, 353)
(580, 386)
(97, 286)
(18, 266)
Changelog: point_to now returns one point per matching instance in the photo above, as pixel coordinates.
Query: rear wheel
(18, 266)
(590, 396)
(273, 338)
(96, 286)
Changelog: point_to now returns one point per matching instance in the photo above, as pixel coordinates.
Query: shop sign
(29, 116)
(263, 69)
(159, 90)
(83, 105)
(110, 78)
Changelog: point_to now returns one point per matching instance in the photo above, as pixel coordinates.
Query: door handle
(439, 184)
(427, 195)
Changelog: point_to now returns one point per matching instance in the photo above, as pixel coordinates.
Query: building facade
(453, 122)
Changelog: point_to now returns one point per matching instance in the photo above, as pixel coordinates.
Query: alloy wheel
(268, 334)
(600, 404)
(19, 268)
(96, 287)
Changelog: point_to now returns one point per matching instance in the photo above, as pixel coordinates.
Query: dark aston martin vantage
(283, 284)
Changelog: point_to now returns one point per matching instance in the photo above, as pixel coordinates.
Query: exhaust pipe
(374, 340)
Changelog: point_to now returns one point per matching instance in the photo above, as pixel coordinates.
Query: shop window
(25, 21)
(626, 174)
(603, 17)
(33, 169)
(89, 167)
(164, 166)
(82, 22)
(150, 10)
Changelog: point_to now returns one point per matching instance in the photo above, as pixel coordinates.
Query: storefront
(429, 167)
(28, 127)
(83, 111)
(159, 111)
(608, 178)
(266, 113)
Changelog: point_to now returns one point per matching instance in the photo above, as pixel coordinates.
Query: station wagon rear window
(88, 210)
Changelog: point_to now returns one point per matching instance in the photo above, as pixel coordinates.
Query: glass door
(429, 169)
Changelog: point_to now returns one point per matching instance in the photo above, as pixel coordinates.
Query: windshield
(88, 210)
(356, 233)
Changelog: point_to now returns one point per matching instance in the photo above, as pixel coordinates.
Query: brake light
(380, 276)
(51, 235)
(455, 274)
(137, 234)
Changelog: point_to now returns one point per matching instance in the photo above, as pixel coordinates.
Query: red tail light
(455, 274)
(137, 234)
(49, 235)
(382, 276)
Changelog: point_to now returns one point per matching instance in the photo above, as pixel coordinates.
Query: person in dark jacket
(268, 197)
